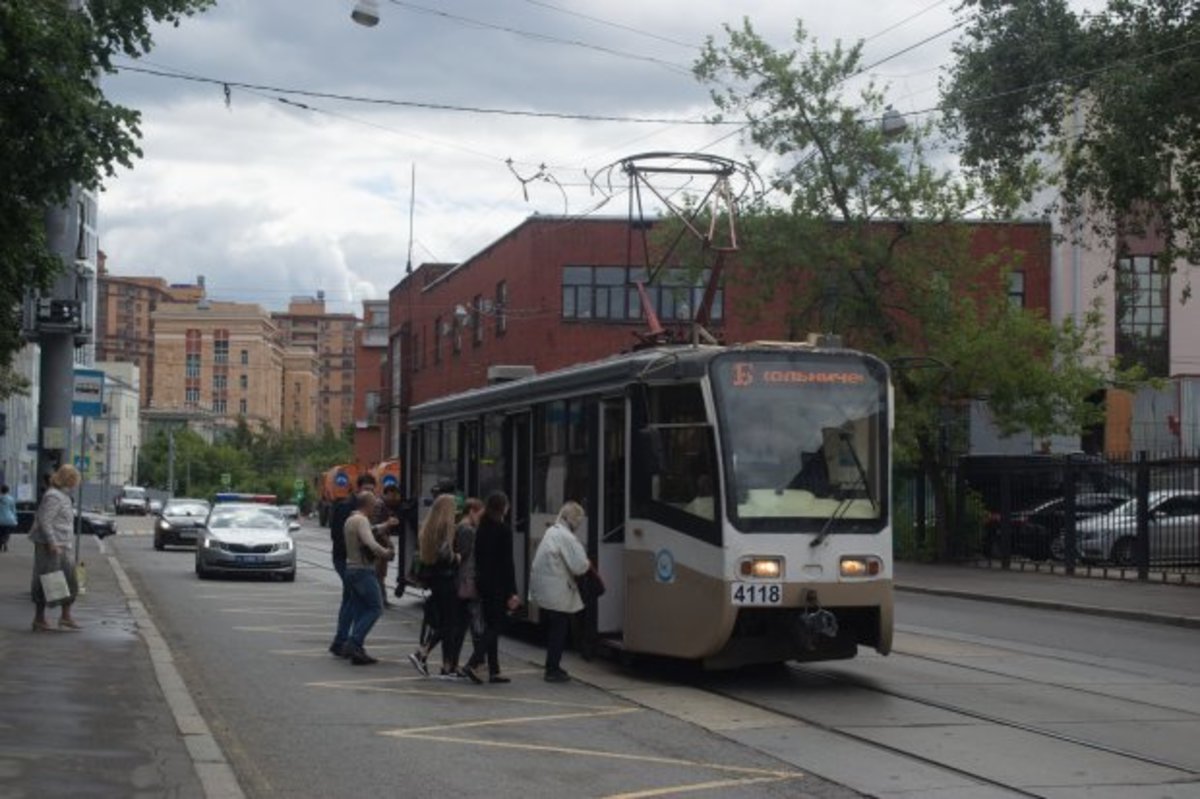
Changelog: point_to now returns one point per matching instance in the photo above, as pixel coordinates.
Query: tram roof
(669, 363)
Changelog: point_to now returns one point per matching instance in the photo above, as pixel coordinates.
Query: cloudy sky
(269, 200)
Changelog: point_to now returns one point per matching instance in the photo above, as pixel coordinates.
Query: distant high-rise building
(125, 306)
(306, 324)
(222, 359)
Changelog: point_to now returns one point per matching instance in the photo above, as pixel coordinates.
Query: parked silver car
(180, 522)
(1174, 531)
(245, 538)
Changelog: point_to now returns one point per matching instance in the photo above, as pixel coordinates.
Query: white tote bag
(55, 588)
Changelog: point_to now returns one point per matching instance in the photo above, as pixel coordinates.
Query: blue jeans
(366, 602)
(344, 612)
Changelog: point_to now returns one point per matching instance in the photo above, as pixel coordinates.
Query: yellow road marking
(481, 695)
(288, 628)
(418, 731)
(285, 611)
(566, 750)
(699, 786)
(318, 651)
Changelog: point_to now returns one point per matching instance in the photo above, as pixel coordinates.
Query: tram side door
(518, 482)
(613, 510)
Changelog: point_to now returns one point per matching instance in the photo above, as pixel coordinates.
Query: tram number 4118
(756, 593)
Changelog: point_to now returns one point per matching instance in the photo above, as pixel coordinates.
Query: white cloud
(268, 200)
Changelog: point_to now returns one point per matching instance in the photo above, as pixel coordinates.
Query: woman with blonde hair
(435, 543)
(559, 559)
(53, 537)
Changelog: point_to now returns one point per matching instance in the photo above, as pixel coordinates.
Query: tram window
(681, 492)
(560, 455)
(491, 456)
(439, 455)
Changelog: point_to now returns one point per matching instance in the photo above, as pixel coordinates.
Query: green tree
(1099, 104)
(57, 130)
(868, 242)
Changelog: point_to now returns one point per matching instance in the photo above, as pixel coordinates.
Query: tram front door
(611, 555)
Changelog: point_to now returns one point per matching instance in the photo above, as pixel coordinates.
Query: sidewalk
(1124, 599)
(82, 714)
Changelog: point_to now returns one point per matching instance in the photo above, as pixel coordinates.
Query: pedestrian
(559, 559)
(381, 526)
(53, 537)
(8, 517)
(436, 541)
(393, 503)
(337, 537)
(366, 598)
(469, 615)
(495, 583)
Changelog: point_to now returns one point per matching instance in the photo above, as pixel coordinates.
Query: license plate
(756, 593)
(250, 559)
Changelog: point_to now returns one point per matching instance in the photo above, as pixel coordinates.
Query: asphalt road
(296, 722)
(978, 700)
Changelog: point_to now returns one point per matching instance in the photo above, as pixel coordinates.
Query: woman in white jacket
(559, 558)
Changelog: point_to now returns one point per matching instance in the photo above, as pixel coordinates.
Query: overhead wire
(619, 25)
(541, 37)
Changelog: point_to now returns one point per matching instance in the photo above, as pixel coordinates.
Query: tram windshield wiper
(843, 506)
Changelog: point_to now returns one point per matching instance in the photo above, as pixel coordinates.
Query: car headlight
(284, 546)
(211, 543)
(163, 524)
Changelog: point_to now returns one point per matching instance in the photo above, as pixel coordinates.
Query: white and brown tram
(738, 498)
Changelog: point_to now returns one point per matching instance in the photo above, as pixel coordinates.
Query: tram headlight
(861, 566)
(762, 568)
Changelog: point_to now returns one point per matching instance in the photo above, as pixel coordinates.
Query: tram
(738, 498)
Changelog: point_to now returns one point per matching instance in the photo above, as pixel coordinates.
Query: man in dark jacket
(337, 536)
(495, 581)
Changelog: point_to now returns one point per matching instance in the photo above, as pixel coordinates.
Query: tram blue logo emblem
(390, 480)
(341, 479)
(664, 566)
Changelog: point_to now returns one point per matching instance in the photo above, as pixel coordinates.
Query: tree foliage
(1101, 105)
(263, 462)
(869, 241)
(57, 130)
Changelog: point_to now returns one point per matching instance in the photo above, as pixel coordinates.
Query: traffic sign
(298, 484)
(226, 479)
(87, 399)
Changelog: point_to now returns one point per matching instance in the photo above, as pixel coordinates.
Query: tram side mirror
(650, 446)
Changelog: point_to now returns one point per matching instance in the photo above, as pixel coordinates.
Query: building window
(477, 320)
(609, 293)
(220, 382)
(501, 309)
(416, 352)
(1016, 289)
(191, 397)
(438, 332)
(220, 346)
(245, 357)
(243, 382)
(1143, 301)
(218, 405)
(192, 364)
(242, 407)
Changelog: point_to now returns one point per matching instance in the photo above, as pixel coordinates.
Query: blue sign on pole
(88, 397)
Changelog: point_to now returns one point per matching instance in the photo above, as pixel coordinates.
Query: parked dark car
(180, 522)
(1036, 479)
(98, 524)
(1035, 529)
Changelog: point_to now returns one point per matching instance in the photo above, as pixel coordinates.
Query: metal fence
(1118, 517)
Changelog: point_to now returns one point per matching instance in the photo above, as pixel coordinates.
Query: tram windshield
(804, 439)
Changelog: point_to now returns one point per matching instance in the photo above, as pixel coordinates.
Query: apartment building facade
(125, 307)
(307, 324)
(370, 363)
(223, 358)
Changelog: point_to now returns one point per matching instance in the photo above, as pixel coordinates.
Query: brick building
(220, 357)
(331, 335)
(125, 309)
(300, 391)
(554, 292)
(370, 357)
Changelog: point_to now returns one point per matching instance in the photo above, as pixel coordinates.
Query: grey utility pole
(58, 321)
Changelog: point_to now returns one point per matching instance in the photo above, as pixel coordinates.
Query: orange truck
(386, 473)
(337, 483)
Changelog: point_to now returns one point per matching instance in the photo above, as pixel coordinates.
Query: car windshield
(135, 493)
(175, 508)
(804, 440)
(262, 518)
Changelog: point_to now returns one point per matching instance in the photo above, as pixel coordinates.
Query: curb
(1048, 604)
(213, 770)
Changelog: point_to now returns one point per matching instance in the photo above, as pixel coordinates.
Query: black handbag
(590, 585)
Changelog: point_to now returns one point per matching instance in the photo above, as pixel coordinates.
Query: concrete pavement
(1122, 599)
(84, 713)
